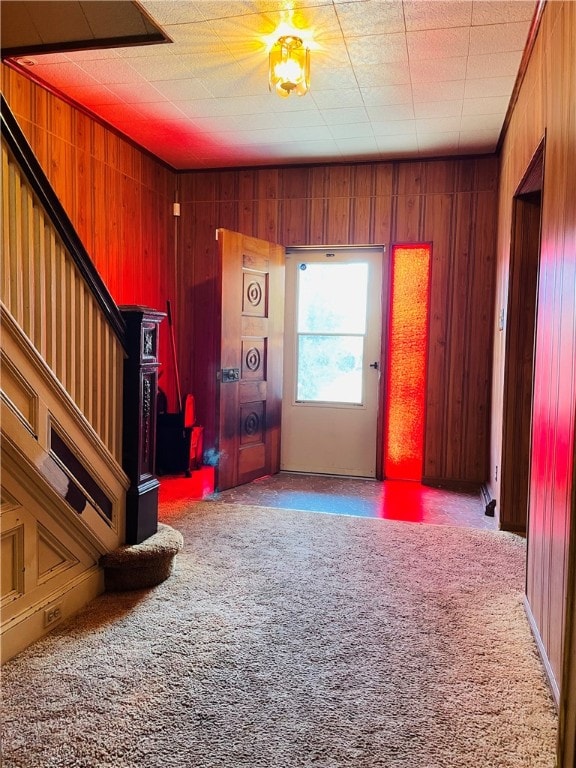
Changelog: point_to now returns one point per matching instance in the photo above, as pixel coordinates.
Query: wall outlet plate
(52, 614)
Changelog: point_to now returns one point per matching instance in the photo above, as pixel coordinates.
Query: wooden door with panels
(249, 398)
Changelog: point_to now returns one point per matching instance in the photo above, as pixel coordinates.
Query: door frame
(384, 298)
(524, 268)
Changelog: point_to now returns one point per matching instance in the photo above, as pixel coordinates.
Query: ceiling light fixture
(289, 66)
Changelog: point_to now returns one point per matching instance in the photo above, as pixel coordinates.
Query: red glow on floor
(407, 344)
(194, 488)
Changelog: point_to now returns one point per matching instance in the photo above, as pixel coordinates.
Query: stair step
(138, 566)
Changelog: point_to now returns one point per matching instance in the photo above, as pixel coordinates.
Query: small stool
(137, 566)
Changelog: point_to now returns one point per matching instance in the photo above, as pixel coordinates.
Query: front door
(251, 358)
(332, 361)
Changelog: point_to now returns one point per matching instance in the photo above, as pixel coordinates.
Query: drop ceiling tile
(438, 109)
(493, 64)
(236, 84)
(479, 139)
(57, 58)
(438, 142)
(182, 90)
(330, 99)
(154, 50)
(496, 38)
(91, 95)
(116, 112)
(490, 105)
(387, 94)
(438, 70)
(501, 11)
(62, 74)
(437, 125)
(397, 143)
(350, 131)
(112, 71)
(447, 90)
(345, 115)
(377, 49)
(391, 112)
(307, 133)
(423, 14)
(286, 120)
(173, 11)
(308, 150)
(167, 67)
(360, 19)
(144, 94)
(355, 149)
(393, 73)
(328, 78)
(438, 43)
(164, 110)
(394, 128)
(481, 122)
(489, 86)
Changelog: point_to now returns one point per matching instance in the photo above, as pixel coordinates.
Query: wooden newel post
(139, 435)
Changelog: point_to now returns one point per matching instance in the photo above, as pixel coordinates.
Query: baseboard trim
(464, 486)
(29, 626)
(542, 653)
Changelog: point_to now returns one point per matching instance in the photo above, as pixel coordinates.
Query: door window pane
(332, 306)
(332, 298)
(330, 368)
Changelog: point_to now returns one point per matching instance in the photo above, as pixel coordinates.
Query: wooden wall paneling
(441, 176)
(316, 233)
(459, 336)
(295, 183)
(438, 227)
(382, 219)
(227, 214)
(294, 223)
(363, 180)
(200, 361)
(83, 176)
(361, 219)
(546, 105)
(338, 221)
(246, 205)
(318, 181)
(481, 308)
(407, 219)
(267, 223)
(383, 179)
(409, 178)
(62, 173)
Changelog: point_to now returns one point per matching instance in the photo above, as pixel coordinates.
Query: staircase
(63, 489)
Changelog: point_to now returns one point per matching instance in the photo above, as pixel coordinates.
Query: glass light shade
(289, 67)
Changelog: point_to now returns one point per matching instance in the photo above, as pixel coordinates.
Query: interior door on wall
(332, 361)
(251, 358)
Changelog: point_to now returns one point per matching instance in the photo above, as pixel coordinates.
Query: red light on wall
(407, 345)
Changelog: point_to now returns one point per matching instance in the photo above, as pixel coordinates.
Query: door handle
(374, 365)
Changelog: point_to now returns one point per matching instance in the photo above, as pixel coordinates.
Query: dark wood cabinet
(139, 437)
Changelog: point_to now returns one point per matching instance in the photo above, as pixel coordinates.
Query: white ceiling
(389, 79)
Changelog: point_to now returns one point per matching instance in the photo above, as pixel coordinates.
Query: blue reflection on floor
(330, 503)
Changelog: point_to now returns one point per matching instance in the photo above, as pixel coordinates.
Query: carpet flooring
(290, 639)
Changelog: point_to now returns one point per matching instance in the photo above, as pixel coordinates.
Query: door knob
(374, 365)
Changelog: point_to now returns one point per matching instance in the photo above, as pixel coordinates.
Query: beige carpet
(294, 640)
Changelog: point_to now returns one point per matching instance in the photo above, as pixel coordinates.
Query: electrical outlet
(52, 614)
